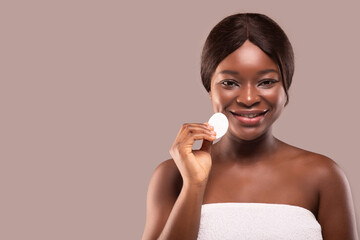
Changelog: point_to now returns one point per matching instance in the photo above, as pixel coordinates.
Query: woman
(249, 184)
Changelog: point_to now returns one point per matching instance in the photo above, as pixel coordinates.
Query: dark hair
(229, 34)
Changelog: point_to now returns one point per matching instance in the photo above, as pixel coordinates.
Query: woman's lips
(249, 121)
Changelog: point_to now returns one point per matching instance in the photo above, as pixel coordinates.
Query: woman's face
(245, 83)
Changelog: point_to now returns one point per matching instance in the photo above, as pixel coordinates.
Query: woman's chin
(249, 136)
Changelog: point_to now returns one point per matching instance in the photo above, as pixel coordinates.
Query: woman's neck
(231, 148)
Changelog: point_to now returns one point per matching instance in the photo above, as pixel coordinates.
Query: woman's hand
(194, 165)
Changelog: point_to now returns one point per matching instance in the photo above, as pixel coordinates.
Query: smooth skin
(248, 164)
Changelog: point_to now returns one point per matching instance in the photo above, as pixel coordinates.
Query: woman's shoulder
(320, 165)
(167, 175)
(312, 157)
(334, 194)
(167, 168)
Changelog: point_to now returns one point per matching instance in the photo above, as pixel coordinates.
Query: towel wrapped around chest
(257, 221)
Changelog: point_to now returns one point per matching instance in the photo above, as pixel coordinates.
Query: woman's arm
(336, 213)
(170, 214)
(177, 187)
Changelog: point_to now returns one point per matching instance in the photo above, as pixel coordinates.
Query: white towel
(258, 221)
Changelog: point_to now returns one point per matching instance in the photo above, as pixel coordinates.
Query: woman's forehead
(248, 57)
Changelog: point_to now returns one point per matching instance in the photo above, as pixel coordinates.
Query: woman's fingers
(200, 136)
(195, 128)
(194, 165)
(189, 133)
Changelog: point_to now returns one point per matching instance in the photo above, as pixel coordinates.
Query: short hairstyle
(230, 33)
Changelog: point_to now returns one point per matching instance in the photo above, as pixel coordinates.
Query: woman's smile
(249, 118)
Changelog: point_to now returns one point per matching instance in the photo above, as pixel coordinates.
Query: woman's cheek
(276, 96)
(221, 100)
(280, 97)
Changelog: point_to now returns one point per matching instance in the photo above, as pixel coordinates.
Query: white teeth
(249, 115)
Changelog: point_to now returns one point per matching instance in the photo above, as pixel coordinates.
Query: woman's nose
(248, 96)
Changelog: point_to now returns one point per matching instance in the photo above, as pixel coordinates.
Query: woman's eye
(228, 83)
(267, 83)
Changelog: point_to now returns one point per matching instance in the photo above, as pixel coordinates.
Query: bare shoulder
(319, 165)
(167, 170)
(164, 188)
(324, 169)
(314, 169)
(336, 213)
(166, 180)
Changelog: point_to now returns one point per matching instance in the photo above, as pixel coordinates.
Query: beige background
(94, 92)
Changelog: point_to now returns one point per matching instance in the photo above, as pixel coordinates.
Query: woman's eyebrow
(261, 72)
(231, 72)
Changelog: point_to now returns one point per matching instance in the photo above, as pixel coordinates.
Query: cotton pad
(220, 123)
